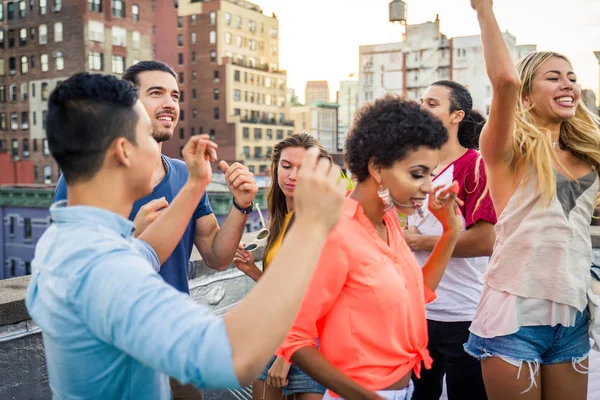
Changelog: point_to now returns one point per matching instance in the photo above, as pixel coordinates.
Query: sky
(319, 39)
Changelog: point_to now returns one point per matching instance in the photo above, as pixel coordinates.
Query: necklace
(164, 164)
(554, 144)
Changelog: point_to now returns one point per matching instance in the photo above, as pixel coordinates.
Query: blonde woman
(541, 149)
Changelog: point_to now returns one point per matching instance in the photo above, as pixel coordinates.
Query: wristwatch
(247, 210)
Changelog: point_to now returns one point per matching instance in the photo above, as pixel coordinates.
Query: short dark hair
(470, 127)
(86, 113)
(132, 73)
(386, 130)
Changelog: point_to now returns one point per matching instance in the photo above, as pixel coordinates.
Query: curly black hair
(86, 113)
(386, 130)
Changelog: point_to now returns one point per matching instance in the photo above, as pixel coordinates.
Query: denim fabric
(298, 381)
(404, 394)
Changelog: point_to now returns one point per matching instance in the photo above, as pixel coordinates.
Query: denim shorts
(298, 381)
(402, 394)
(538, 344)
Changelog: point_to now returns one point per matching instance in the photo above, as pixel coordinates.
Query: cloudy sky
(319, 39)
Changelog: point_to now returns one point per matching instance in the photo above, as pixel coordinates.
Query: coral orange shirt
(365, 303)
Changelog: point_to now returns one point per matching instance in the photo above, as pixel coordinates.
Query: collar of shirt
(64, 215)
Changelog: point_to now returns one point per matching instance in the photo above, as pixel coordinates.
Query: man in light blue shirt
(112, 328)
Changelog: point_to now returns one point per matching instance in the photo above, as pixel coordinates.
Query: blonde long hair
(532, 146)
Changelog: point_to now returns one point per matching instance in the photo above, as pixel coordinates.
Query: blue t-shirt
(174, 270)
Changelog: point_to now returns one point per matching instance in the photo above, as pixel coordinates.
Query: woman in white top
(541, 149)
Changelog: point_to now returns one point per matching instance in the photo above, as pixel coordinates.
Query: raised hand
(319, 192)
(479, 3)
(241, 183)
(443, 204)
(199, 153)
(148, 213)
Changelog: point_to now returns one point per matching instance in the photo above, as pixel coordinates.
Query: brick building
(43, 42)
(226, 55)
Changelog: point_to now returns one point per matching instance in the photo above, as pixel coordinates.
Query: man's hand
(199, 153)
(148, 213)
(319, 194)
(412, 235)
(241, 183)
(277, 375)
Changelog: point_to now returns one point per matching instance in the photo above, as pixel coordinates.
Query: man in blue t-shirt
(159, 93)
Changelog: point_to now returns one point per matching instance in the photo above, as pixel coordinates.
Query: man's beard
(161, 135)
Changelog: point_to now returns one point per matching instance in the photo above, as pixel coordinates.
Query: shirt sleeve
(204, 207)
(325, 287)
(429, 294)
(147, 252)
(126, 304)
(60, 193)
(473, 188)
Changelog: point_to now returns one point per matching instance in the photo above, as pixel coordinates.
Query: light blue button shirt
(112, 328)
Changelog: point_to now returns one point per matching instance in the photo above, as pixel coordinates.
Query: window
(44, 115)
(44, 90)
(216, 114)
(43, 7)
(246, 152)
(279, 134)
(58, 32)
(216, 94)
(22, 37)
(252, 26)
(181, 116)
(181, 97)
(26, 148)
(237, 95)
(14, 125)
(238, 41)
(59, 61)
(180, 22)
(2, 94)
(212, 37)
(180, 77)
(257, 152)
(119, 36)
(135, 13)
(36, 173)
(44, 34)
(22, 8)
(12, 65)
(194, 113)
(3, 127)
(11, 38)
(212, 16)
(34, 121)
(194, 94)
(27, 268)
(32, 61)
(194, 75)
(181, 133)
(211, 134)
(137, 40)
(192, 38)
(192, 131)
(44, 62)
(252, 44)
(269, 134)
(32, 33)
(24, 95)
(1, 12)
(118, 10)
(238, 22)
(227, 19)
(213, 56)
(227, 37)
(246, 133)
(47, 174)
(118, 64)
(193, 56)
(25, 121)
(46, 149)
(95, 31)
(95, 5)
(96, 61)
(57, 5)
(237, 111)
(273, 33)
(10, 11)
(180, 40)
(257, 133)
(13, 93)
(216, 76)
(1, 38)
(24, 65)
(180, 58)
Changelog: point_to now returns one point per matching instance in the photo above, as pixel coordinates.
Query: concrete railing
(22, 362)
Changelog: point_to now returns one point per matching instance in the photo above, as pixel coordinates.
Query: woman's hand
(277, 375)
(443, 204)
(244, 261)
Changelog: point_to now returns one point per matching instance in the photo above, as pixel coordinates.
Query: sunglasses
(261, 237)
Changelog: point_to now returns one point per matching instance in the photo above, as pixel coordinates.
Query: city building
(589, 99)
(316, 91)
(424, 56)
(43, 42)
(347, 99)
(324, 124)
(24, 216)
(300, 116)
(226, 55)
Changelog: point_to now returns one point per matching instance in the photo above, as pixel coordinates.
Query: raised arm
(164, 233)
(496, 137)
(259, 324)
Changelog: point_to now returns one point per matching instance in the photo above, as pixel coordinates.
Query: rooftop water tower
(397, 12)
